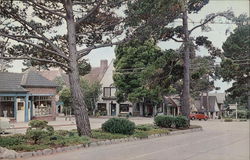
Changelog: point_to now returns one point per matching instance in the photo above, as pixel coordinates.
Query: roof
(210, 104)
(97, 73)
(94, 75)
(16, 82)
(221, 97)
(174, 100)
(31, 78)
(10, 82)
(53, 74)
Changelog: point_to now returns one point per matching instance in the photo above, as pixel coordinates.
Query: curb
(46, 152)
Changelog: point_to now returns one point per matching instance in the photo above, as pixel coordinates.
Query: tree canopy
(144, 71)
(235, 65)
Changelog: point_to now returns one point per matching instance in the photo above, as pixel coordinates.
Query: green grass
(63, 138)
(99, 134)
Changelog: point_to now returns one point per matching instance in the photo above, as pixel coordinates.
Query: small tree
(92, 91)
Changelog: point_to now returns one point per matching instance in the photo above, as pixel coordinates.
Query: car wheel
(199, 119)
(205, 119)
(192, 118)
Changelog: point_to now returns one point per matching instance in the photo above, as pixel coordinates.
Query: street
(218, 141)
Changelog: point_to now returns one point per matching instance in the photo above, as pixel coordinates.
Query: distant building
(26, 96)
(107, 102)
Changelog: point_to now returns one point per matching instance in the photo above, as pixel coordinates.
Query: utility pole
(186, 58)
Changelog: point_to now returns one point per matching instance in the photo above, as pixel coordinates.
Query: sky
(216, 35)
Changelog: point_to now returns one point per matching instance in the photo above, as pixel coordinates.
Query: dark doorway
(113, 109)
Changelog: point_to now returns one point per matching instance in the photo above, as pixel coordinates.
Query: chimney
(103, 65)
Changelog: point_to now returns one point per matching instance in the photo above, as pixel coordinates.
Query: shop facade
(26, 96)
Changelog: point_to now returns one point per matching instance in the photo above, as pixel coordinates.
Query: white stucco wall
(107, 79)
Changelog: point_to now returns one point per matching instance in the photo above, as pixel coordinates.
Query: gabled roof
(10, 82)
(220, 97)
(17, 82)
(53, 74)
(97, 73)
(211, 103)
(174, 100)
(31, 78)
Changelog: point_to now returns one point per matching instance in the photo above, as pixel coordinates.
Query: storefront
(27, 96)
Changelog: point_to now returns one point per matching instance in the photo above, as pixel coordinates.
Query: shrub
(145, 127)
(228, 120)
(36, 134)
(164, 121)
(180, 122)
(28, 147)
(38, 124)
(99, 134)
(119, 125)
(62, 132)
(12, 140)
(242, 114)
(39, 129)
(140, 134)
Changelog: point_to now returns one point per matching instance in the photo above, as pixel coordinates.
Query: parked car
(198, 116)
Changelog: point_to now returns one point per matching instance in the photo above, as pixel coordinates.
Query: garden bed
(63, 138)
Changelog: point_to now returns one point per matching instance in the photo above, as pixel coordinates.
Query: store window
(102, 110)
(124, 107)
(6, 106)
(43, 105)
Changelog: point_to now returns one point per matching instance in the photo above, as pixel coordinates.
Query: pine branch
(44, 38)
(86, 51)
(38, 6)
(78, 22)
(36, 59)
(13, 37)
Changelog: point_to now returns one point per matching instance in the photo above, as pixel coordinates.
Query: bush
(242, 114)
(99, 134)
(145, 127)
(140, 134)
(119, 125)
(180, 122)
(36, 134)
(12, 140)
(228, 120)
(38, 124)
(28, 147)
(39, 129)
(164, 121)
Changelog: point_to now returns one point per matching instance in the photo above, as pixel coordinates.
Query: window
(101, 107)
(124, 107)
(109, 91)
(43, 105)
(6, 99)
(20, 106)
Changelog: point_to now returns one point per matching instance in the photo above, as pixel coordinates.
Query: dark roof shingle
(16, 82)
(10, 82)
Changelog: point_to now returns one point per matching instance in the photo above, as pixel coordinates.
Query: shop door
(113, 109)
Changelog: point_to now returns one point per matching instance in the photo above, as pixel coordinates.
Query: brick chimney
(103, 67)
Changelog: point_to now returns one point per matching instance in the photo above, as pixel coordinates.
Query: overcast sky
(217, 35)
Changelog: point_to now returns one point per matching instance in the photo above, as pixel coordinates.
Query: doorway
(113, 109)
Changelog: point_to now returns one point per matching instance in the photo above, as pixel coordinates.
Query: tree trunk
(81, 113)
(186, 58)
(248, 93)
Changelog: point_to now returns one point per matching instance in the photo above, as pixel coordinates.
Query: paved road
(218, 141)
